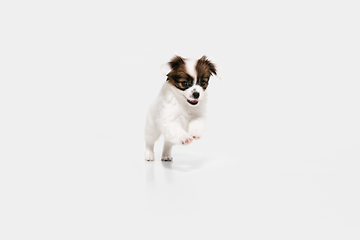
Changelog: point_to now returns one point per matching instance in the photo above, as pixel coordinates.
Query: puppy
(178, 112)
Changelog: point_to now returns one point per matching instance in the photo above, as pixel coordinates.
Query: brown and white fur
(178, 112)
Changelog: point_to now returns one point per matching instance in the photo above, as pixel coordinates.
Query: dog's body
(178, 112)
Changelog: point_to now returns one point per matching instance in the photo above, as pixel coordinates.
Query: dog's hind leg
(166, 155)
(151, 135)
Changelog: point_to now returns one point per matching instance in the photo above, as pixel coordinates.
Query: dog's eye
(184, 84)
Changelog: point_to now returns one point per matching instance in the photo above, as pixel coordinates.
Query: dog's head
(190, 77)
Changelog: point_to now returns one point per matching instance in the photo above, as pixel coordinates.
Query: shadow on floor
(185, 163)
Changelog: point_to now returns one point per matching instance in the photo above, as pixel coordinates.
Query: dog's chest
(185, 116)
(184, 119)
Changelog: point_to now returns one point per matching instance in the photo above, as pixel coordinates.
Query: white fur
(172, 116)
(190, 67)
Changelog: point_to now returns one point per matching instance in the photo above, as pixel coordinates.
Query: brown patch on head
(204, 69)
(178, 76)
(177, 62)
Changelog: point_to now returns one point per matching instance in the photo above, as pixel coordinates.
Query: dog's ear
(174, 63)
(205, 62)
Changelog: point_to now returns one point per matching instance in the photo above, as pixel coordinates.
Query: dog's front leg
(196, 127)
(175, 134)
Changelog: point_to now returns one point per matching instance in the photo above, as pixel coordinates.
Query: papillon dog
(178, 112)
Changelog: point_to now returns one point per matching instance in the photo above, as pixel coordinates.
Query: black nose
(196, 95)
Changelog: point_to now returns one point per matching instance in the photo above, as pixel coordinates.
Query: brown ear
(176, 62)
(210, 66)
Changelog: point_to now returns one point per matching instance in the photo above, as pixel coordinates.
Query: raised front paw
(196, 137)
(195, 134)
(185, 140)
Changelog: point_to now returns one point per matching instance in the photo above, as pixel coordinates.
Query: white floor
(100, 188)
(280, 155)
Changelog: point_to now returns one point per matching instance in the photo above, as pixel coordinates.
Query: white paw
(166, 158)
(149, 156)
(186, 140)
(195, 134)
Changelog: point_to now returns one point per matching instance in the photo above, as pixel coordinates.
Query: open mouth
(193, 102)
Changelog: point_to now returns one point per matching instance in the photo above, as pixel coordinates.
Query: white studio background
(280, 156)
